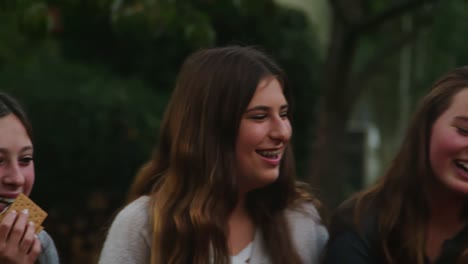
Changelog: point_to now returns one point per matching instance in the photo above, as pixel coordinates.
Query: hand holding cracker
(18, 243)
(36, 214)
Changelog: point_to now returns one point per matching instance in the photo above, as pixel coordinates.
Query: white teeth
(269, 154)
(7, 200)
(462, 164)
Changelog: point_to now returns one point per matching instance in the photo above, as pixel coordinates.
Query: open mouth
(269, 154)
(5, 203)
(462, 165)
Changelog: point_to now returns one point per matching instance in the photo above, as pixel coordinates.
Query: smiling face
(449, 145)
(16, 163)
(264, 133)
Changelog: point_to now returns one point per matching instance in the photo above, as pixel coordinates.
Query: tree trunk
(326, 171)
(327, 163)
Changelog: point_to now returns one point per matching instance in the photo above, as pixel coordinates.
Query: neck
(240, 208)
(241, 227)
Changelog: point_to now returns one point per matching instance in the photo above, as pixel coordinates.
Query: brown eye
(25, 161)
(258, 117)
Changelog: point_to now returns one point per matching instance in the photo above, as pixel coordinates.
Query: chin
(267, 180)
(460, 188)
(263, 181)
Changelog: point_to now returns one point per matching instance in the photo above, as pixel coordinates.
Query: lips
(270, 154)
(5, 203)
(461, 169)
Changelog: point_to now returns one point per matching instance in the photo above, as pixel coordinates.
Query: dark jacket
(351, 244)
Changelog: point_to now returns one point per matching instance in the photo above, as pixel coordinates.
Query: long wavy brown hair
(401, 194)
(192, 177)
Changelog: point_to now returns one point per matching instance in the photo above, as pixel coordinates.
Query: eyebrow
(264, 108)
(461, 118)
(23, 149)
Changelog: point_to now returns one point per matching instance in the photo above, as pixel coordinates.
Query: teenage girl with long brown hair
(221, 186)
(417, 212)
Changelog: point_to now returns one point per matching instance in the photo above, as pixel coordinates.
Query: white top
(243, 256)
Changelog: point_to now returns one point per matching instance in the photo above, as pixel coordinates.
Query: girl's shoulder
(305, 222)
(49, 251)
(308, 232)
(303, 211)
(129, 237)
(136, 207)
(346, 219)
(133, 221)
(136, 214)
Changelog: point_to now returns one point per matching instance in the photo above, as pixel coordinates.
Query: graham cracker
(36, 214)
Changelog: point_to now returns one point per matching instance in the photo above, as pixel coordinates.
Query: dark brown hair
(401, 194)
(191, 177)
(9, 105)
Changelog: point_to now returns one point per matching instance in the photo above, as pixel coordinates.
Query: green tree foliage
(443, 47)
(88, 52)
(151, 38)
(92, 128)
(95, 75)
(23, 25)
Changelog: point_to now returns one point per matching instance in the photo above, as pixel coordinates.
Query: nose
(13, 176)
(280, 129)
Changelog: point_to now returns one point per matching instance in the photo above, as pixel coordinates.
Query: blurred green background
(95, 76)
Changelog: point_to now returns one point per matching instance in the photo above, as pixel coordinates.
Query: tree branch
(396, 11)
(375, 64)
(338, 11)
(349, 12)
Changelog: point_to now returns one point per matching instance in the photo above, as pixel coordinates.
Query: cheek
(444, 147)
(289, 128)
(29, 177)
(250, 136)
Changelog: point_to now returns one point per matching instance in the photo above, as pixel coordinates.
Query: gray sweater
(129, 238)
(49, 253)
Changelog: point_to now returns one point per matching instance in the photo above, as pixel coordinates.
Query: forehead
(268, 90)
(459, 105)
